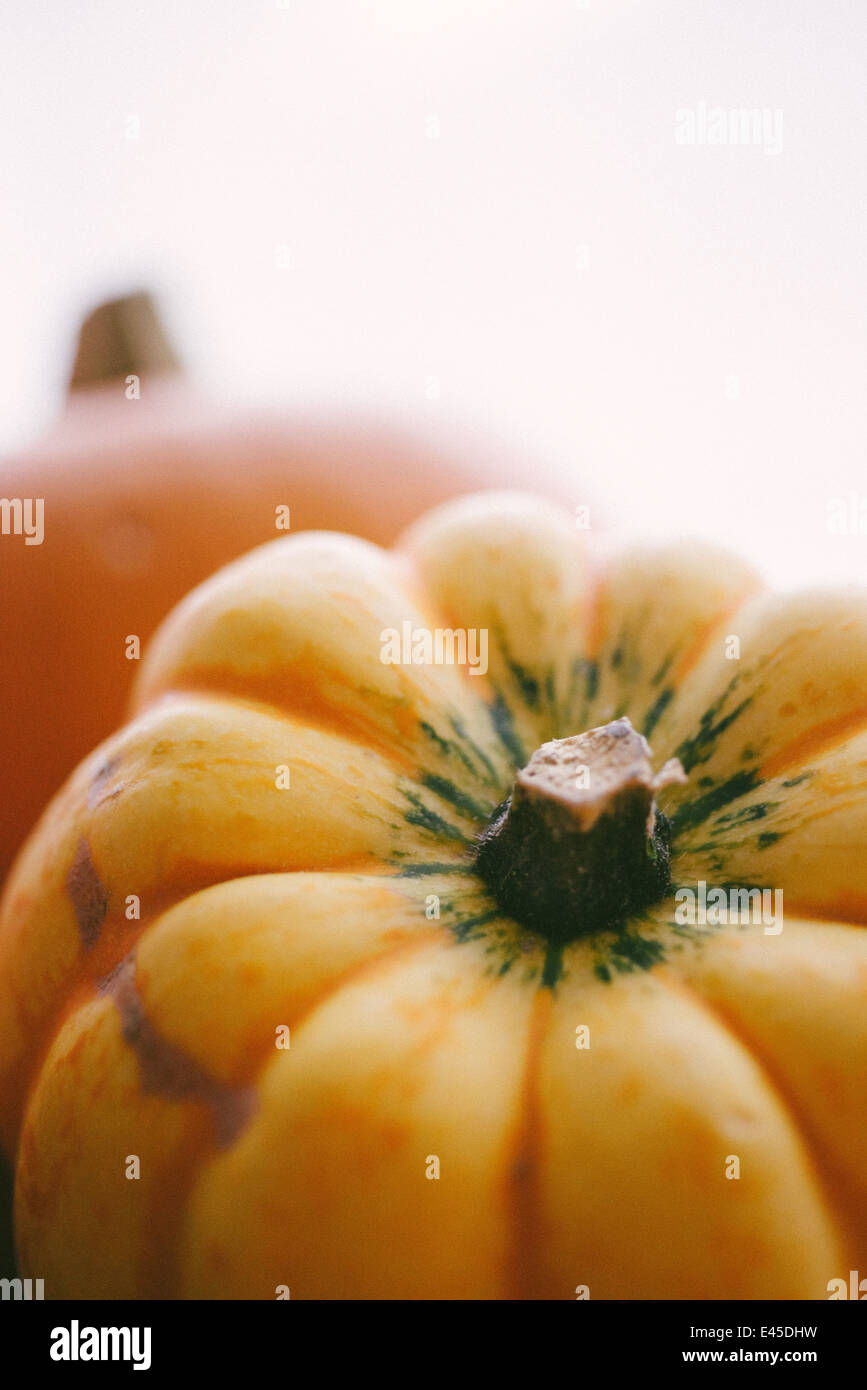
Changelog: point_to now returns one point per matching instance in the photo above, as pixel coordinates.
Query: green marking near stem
(694, 812)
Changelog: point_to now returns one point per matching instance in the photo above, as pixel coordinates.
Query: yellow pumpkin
(350, 1049)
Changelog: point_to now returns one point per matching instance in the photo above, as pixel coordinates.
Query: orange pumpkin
(369, 1024)
(144, 498)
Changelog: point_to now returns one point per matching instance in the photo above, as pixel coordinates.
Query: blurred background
(522, 241)
(471, 216)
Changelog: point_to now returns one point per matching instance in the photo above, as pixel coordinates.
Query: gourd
(373, 973)
(145, 495)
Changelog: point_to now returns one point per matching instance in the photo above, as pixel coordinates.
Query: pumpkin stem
(122, 336)
(580, 845)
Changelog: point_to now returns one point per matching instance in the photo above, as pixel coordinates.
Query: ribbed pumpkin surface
(309, 908)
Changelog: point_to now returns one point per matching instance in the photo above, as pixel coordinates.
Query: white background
(583, 287)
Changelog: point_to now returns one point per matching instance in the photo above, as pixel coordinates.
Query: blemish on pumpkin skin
(88, 895)
(523, 1194)
(168, 1071)
(96, 791)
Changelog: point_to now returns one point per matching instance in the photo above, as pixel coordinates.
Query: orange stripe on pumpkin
(522, 1176)
(700, 642)
(815, 740)
(289, 695)
(847, 905)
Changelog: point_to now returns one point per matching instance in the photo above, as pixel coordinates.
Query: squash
(277, 1013)
(143, 499)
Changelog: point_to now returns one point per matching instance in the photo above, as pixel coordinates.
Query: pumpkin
(143, 499)
(347, 971)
